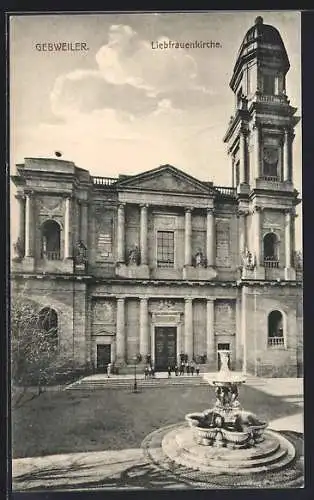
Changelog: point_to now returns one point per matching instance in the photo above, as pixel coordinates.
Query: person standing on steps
(108, 370)
(192, 368)
(197, 370)
(169, 371)
(146, 372)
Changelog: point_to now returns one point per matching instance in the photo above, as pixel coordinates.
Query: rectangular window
(165, 249)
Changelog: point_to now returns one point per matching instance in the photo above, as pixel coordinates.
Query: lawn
(82, 421)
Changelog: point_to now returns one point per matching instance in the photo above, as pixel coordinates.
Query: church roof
(261, 39)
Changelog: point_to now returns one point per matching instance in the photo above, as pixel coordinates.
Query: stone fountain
(227, 424)
(225, 445)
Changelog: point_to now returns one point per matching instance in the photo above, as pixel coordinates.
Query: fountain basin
(210, 426)
(224, 378)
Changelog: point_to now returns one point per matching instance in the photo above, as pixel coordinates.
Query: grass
(82, 421)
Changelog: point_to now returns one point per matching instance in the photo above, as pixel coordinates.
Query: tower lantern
(260, 135)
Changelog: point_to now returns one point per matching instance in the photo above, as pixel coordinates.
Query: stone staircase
(123, 382)
(161, 380)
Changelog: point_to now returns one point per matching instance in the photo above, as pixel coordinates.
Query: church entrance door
(165, 347)
(103, 357)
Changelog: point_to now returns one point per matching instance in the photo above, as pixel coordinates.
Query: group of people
(188, 368)
(181, 369)
(149, 371)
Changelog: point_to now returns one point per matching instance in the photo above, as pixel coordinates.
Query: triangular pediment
(165, 178)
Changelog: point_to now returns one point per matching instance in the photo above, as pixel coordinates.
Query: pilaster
(143, 234)
(188, 236)
(210, 334)
(188, 328)
(144, 332)
(67, 225)
(29, 225)
(121, 233)
(210, 237)
(120, 336)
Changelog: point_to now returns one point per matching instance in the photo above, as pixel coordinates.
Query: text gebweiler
(61, 46)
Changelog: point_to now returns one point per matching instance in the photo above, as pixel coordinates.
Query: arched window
(275, 329)
(48, 322)
(50, 240)
(270, 244)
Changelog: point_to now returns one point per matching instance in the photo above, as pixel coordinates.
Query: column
(188, 236)
(121, 233)
(239, 340)
(120, 337)
(180, 344)
(243, 327)
(288, 239)
(29, 226)
(113, 351)
(188, 328)
(210, 334)
(242, 232)
(143, 234)
(286, 167)
(67, 249)
(257, 172)
(233, 182)
(210, 237)
(257, 239)
(242, 157)
(292, 241)
(84, 222)
(291, 139)
(21, 223)
(144, 335)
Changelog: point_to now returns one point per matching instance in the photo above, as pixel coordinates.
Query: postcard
(156, 250)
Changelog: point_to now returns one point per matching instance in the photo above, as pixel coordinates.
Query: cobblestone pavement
(129, 468)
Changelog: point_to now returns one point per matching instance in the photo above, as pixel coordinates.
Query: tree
(34, 345)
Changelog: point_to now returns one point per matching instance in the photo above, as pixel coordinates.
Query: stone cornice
(179, 283)
(275, 283)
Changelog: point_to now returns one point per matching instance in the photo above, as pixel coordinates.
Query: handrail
(103, 181)
(276, 341)
(272, 263)
(226, 190)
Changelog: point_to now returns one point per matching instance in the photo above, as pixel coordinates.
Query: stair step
(120, 383)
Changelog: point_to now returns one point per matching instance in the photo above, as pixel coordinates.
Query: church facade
(159, 265)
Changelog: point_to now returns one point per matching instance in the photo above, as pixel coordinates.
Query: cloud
(84, 92)
(131, 77)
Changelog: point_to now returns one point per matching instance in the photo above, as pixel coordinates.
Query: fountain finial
(224, 360)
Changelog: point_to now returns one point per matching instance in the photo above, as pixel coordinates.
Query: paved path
(128, 468)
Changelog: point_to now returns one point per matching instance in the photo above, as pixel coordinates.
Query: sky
(122, 107)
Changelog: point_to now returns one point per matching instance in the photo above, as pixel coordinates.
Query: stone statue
(134, 256)
(80, 253)
(298, 260)
(199, 259)
(18, 249)
(44, 248)
(248, 260)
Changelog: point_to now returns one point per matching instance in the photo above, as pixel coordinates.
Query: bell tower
(259, 140)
